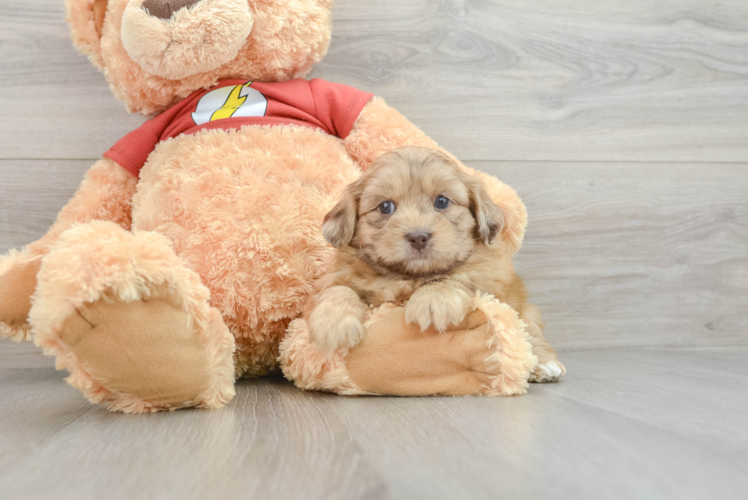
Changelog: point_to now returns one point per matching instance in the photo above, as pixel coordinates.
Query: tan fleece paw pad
(131, 323)
(145, 350)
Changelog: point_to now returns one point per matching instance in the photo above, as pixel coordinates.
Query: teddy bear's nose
(163, 9)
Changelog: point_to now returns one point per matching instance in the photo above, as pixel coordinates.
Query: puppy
(417, 229)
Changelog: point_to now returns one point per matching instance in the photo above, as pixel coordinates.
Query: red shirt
(234, 103)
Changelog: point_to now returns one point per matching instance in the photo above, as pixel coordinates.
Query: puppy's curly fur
(416, 229)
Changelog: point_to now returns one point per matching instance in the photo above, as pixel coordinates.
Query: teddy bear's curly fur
(158, 292)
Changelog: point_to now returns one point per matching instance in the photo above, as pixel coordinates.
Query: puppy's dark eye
(441, 202)
(387, 207)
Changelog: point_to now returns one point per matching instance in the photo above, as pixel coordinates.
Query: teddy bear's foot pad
(144, 349)
(131, 323)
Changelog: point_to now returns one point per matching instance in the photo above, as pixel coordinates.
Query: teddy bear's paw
(131, 323)
(437, 305)
(143, 353)
(17, 283)
(549, 371)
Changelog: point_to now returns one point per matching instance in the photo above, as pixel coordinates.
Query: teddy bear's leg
(549, 368)
(130, 322)
(489, 353)
(105, 194)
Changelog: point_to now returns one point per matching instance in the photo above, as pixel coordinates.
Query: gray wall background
(623, 125)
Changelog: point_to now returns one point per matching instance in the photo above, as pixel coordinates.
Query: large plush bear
(193, 243)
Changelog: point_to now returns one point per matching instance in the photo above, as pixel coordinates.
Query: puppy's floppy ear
(340, 222)
(489, 218)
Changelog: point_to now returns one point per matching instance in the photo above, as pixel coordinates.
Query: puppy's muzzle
(418, 239)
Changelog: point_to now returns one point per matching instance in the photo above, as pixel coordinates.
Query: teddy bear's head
(157, 52)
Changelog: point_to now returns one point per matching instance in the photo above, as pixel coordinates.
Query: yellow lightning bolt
(233, 103)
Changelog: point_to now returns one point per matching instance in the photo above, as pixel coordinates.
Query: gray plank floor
(624, 127)
(627, 423)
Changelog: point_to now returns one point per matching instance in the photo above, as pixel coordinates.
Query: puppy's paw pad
(550, 371)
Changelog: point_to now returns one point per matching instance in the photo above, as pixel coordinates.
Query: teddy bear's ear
(488, 216)
(514, 222)
(514, 212)
(86, 20)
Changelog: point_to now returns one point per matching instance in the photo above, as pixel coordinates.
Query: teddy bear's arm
(105, 194)
(380, 128)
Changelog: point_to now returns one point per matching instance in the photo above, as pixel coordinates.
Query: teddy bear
(192, 245)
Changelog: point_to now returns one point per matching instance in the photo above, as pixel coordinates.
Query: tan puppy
(417, 229)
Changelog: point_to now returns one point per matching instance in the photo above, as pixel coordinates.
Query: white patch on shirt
(230, 102)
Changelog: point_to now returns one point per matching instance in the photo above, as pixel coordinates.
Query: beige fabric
(16, 287)
(146, 349)
(408, 362)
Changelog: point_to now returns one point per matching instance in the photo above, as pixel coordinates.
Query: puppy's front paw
(439, 305)
(332, 333)
(335, 322)
(549, 371)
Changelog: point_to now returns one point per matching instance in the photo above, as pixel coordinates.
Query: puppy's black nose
(418, 240)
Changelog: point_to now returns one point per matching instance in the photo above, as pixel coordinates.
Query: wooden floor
(623, 124)
(627, 423)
